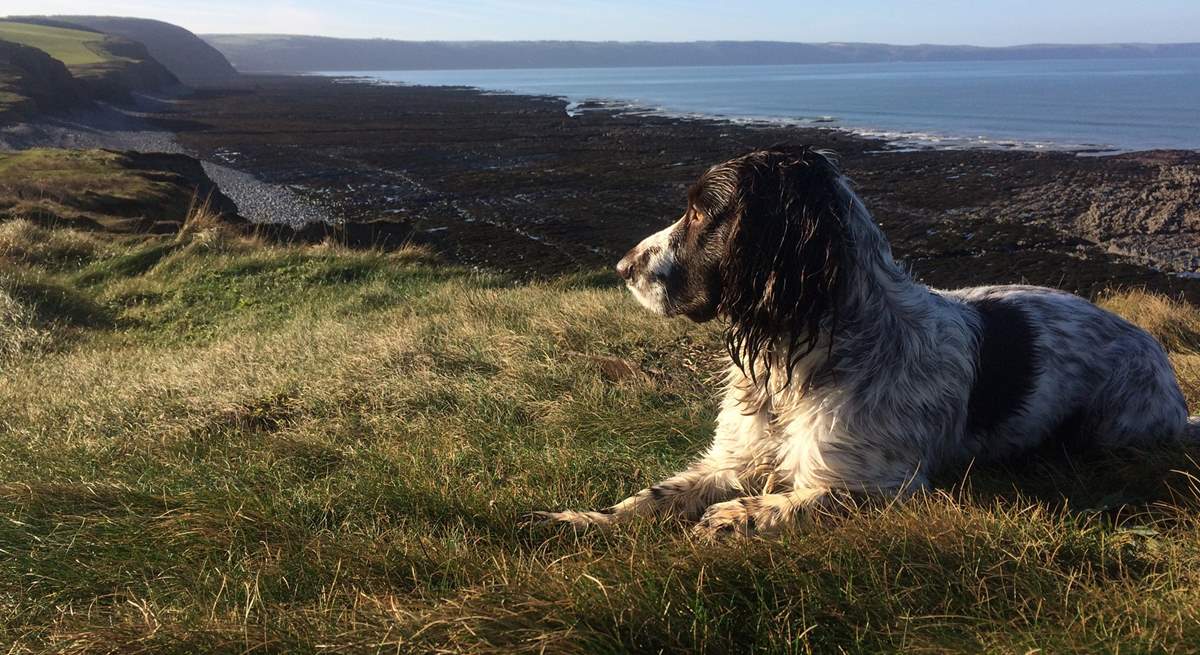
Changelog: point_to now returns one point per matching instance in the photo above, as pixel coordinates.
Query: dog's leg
(722, 473)
(683, 495)
(768, 513)
(759, 514)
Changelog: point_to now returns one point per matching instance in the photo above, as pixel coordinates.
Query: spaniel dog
(849, 377)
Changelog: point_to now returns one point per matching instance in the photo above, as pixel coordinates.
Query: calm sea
(1112, 104)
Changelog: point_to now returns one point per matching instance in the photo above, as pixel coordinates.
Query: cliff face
(107, 67)
(32, 82)
(185, 55)
(131, 69)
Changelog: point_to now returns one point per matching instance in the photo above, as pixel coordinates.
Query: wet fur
(847, 376)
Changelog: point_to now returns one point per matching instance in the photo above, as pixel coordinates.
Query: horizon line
(696, 41)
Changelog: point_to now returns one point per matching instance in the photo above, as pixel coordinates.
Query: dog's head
(762, 243)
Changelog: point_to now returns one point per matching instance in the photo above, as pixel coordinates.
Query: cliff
(32, 81)
(190, 59)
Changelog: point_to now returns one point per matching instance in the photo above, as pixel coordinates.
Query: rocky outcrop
(1168, 203)
(1143, 205)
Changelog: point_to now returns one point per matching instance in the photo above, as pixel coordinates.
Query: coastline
(516, 183)
(513, 182)
(1070, 105)
(896, 139)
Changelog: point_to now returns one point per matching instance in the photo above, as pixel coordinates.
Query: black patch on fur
(1072, 434)
(1007, 365)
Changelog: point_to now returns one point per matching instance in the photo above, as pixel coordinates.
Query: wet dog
(846, 375)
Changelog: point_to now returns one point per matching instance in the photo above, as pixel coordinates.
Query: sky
(973, 22)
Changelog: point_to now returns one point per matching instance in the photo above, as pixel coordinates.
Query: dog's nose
(625, 267)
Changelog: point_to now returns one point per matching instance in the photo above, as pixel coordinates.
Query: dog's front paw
(577, 520)
(745, 516)
(729, 519)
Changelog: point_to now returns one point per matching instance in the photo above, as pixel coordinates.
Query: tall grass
(307, 449)
(18, 335)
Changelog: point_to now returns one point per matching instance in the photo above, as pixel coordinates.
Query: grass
(71, 47)
(210, 444)
(93, 188)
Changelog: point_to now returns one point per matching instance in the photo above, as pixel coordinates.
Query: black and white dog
(848, 376)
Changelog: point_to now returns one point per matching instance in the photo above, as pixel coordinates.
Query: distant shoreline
(1087, 108)
(261, 53)
(513, 182)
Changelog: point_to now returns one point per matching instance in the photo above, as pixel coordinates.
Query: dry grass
(18, 335)
(278, 449)
(26, 243)
(204, 229)
(92, 189)
(1173, 322)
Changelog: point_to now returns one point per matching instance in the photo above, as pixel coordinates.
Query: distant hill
(282, 53)
(110, 67)
(189, 58)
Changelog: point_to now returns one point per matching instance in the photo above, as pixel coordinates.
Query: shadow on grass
(128, 265)
(1117, 485)
(57, 304)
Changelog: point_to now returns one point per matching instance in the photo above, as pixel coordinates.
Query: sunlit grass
(213, 444)
(71, 47)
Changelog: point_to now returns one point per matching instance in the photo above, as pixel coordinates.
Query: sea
(1076, 104)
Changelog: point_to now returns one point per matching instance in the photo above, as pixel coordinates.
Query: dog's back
(1051, 364)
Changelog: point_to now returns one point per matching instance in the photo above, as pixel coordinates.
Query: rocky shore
(522, 184)
(518, 183)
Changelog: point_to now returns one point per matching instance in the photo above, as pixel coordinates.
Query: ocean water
(1127, 104)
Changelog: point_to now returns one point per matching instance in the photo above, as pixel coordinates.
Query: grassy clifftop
(108, 66)
(33, 82)
(74, 48)
(214, 444)
(122, 192)
(188, 57)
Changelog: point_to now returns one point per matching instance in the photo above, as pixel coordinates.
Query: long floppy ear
(784, 267)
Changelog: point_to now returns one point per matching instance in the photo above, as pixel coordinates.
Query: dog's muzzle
(627, 267)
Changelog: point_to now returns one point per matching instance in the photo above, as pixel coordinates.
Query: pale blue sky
(978, 22)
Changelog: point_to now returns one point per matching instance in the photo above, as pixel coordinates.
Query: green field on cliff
(210, 443)
(71, 47)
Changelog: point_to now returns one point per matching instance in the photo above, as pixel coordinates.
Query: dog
(849, 377)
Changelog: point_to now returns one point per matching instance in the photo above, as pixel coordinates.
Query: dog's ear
(783, 269)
